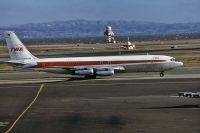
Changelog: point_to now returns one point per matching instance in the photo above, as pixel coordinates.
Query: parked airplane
(90, 67)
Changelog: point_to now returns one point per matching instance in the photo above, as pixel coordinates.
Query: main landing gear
(162, 74)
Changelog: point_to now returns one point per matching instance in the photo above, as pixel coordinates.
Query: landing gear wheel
(162, 74)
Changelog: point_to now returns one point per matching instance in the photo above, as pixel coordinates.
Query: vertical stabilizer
(16, 48)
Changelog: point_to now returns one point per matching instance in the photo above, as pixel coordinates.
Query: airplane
(90, 67)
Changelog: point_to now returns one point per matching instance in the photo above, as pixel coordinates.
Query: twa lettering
(16, 49)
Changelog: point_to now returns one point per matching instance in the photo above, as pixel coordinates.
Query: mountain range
(86, 28)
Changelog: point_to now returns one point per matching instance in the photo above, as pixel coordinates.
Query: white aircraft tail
(16, 48)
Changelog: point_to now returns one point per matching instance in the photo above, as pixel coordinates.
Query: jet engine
(83, 71)
(93, 71)
(104, 71)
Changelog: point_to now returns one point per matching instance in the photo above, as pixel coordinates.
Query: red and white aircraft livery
(90, 67)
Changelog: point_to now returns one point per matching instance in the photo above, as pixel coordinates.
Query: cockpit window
(172, 59)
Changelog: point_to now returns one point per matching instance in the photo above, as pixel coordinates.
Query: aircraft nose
(181, 63)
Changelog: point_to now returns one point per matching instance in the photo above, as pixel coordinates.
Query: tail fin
(16, 48)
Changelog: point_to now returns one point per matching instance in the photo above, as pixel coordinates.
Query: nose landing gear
(162, 74)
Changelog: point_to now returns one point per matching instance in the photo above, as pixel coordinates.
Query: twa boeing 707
(90, 67)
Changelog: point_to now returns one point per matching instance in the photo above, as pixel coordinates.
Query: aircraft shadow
(80, 78)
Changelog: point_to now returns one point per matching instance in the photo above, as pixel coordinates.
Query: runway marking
(19, 117)
(3, 124)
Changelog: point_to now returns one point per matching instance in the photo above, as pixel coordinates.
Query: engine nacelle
(84, 71)
(104, 72)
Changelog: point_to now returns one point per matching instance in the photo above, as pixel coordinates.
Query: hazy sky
(34, 11)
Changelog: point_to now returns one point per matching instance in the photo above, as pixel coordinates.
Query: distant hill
(84, 28)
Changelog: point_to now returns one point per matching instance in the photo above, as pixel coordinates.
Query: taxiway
(122, 104)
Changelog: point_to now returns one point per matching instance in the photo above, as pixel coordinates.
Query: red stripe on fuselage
(90, 63)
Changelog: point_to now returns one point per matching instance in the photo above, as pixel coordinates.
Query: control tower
(109, 35)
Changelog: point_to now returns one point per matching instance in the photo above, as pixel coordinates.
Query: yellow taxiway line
(18, 118)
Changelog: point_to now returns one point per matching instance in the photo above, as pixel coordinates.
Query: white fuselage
(134, 63)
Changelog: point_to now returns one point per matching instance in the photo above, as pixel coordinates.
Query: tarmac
(123, 103)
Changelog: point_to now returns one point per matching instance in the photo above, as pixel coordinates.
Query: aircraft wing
(86, 70)
(120, 68)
